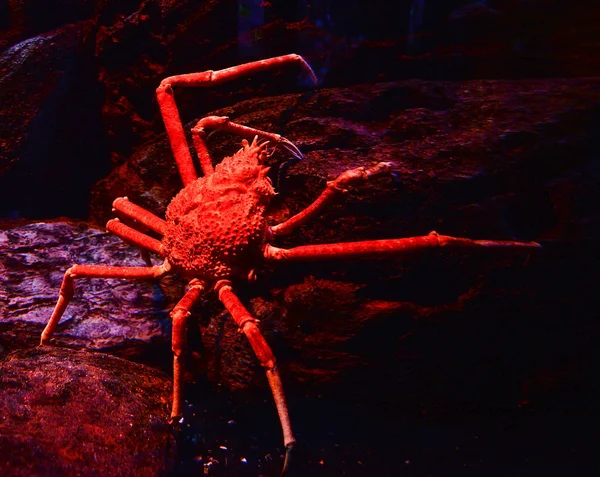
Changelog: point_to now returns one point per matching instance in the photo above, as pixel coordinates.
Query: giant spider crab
(216, 231)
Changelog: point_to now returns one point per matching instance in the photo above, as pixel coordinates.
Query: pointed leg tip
(295, 152)
(290, 147)
(509, 244)
(177, 422)
(526, 245)
(291, 451)
(384, 167)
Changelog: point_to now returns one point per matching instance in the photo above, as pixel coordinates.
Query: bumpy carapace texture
(216, 225)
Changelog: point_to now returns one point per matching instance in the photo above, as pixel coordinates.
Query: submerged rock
(122, 316)
(480, 159)
(50, 130)
(68, 412)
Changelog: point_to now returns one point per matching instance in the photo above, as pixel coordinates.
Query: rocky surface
(454, 144)
(128, 318)
(49, 124)
(429, 338)
(496, 160)
(79, 413)
(421, 366)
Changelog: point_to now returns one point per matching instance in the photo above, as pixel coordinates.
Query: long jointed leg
(223, 123)
(94, 271)
(334, 190)
(168, 108)
(247, 324)
(374, 248)
(133, 237)
(133, 211)
(180, 315)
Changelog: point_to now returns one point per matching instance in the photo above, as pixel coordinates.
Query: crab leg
(95, 271)
(333, 191)
(133, 211)
(223, 123)
(247, 325)
(180, 315)
(133, 237)
(369, 248)
(168, 107)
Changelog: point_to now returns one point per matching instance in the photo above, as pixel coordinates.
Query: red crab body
(216, 227)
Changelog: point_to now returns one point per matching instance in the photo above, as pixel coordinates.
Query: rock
(139, 44)
(21, 19)
(436, 336)
(50, 134)
(482, 159)
(128, 318)
(466, 149)
(82, 413)
(80, 76)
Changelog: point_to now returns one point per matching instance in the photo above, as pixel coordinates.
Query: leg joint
(221, 286)
(179, 314)
(259, 345)
(438, 241)
(72, 271)
(67, 289)
(350, 177)
(245, 320)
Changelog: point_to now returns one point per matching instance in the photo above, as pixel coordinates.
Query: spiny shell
(216, 226)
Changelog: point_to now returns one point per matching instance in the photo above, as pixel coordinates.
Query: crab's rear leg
(333, 191)
(180, 315)
(170, 114)
(400, 246)
(67, 288)
(247, 325)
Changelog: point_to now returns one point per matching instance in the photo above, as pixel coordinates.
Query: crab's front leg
(225, 124)
(170, 113)
(334, 190)
(139, 214)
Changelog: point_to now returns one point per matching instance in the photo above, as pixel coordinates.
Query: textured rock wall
(80, 413)
(508, 149)
(490, 159)
(78, 77)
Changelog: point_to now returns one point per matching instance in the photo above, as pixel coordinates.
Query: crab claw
(290, 147)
